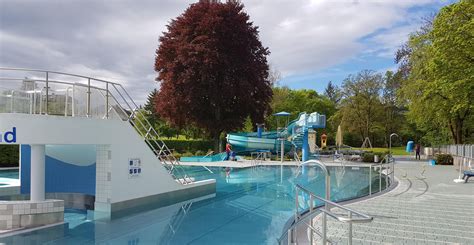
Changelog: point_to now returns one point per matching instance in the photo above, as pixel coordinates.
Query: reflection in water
(256, 202)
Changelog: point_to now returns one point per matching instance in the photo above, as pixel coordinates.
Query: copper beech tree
(212, 69)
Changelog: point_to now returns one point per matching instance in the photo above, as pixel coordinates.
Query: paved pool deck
(426, 208)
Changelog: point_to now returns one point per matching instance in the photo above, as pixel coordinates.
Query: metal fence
(466, 151)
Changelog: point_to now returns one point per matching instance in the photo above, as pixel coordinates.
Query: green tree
(361, 110)
(439, 65)
(393, 113)
(297, 101)
(333, 93)
(212, 69)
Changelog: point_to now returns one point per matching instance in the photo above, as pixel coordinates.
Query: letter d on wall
(10, 137)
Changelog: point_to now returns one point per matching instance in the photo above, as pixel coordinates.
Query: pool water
(252, 206)
(10, 174)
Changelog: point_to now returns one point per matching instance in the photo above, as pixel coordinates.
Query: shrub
(177, 155)
(200, 153)
(369, 156)
(188, 145)
(444, 159)
(9, 155)
(187, 154)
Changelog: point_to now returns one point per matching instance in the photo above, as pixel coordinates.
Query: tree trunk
(217, 134)
(453, 133)
(216, 139)
(459, 124)
(456, 127)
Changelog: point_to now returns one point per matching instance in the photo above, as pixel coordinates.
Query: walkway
(422, 209)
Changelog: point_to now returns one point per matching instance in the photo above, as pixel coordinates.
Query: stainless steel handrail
(366, 218)
(163, 152)
(53, 81)
(56, 72)
(326, 211)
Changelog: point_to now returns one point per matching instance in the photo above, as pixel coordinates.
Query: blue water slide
(245, 143)
(270, 140)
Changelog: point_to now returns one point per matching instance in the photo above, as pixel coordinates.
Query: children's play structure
(295, 134)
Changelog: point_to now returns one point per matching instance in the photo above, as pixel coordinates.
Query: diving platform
(82, 135)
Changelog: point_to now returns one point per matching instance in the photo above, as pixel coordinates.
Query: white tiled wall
(103, 174)
(11, 211)
(9, 190)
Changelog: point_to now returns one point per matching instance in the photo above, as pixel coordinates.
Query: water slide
(245, 142)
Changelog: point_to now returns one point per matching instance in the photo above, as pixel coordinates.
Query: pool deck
(422, 209)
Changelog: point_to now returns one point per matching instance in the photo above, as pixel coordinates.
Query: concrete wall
(116, 142)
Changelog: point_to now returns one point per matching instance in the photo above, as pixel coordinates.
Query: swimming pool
(10, 174)
(250, 207)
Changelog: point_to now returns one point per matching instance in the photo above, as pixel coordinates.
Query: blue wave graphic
(60, 176)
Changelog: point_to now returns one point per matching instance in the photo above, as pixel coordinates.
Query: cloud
(306, 36)
(117, 39)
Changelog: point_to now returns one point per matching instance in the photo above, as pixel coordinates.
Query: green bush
(369, 156)
(187, 154)
(9, 155)
(444, 159)
(200, 153)
(177, 155)
(188, 145)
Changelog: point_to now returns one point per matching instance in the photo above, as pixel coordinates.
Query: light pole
(390, 144)
(390, 154)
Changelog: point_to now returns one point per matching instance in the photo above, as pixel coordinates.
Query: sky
(312, 42)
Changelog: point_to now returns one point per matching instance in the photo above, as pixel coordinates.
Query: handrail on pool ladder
(328, 204)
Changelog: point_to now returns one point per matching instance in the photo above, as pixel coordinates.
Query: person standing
(417, 151)
(228, 150)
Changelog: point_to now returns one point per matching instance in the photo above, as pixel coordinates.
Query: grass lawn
(400, 150)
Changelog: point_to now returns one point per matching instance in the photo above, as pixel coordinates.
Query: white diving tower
(133, 166)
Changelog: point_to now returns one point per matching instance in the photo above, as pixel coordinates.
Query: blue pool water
(250, 207)
(10, 174)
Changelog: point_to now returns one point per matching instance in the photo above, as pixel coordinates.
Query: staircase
(138, 120)
(81, 96)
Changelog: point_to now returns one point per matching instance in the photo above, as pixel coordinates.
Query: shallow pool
(10, 174)
(252, 206)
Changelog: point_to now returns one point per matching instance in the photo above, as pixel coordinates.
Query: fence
(463, 155)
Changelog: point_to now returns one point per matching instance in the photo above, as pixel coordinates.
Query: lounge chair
(467, 175)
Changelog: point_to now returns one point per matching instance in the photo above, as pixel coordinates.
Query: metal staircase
(70, 95)
(138, 120)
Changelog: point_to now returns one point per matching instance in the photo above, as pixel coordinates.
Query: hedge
(369, 156)
(189, 145)
(9, 155)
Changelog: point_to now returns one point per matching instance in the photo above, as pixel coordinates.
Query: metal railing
(301, 218)
(455, 150)
(258, 158)
(388, 167)
(44, 97)
(298, 163)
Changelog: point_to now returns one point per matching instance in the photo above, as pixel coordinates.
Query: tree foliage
(361, 108)
(213, 69)
(438, 63)
(296, 101)
(333, 93)
(370, 108)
